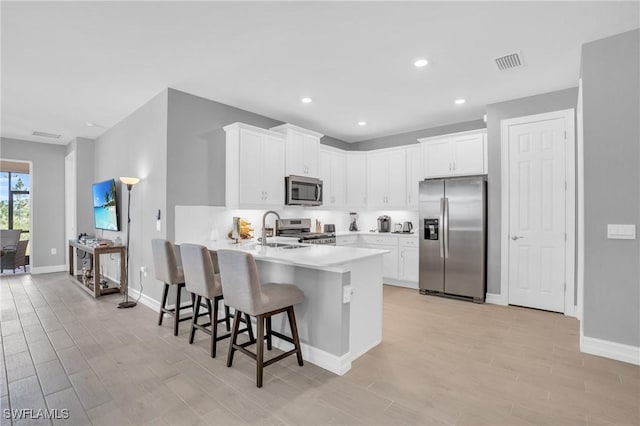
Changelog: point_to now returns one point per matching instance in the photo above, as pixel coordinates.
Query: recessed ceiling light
(362, 123)
(306, 100)
(419, 63)
(460, 101)
(91, 124)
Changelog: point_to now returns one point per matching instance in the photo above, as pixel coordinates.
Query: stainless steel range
(301, 229)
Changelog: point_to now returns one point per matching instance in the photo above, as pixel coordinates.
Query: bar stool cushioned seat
(202, 279)
(168, 270)
(244, 292)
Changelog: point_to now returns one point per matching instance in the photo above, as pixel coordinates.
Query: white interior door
(70, 200)
(537, 228)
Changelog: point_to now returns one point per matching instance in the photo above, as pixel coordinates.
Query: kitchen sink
(284, 246)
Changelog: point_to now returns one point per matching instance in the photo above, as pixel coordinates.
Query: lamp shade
(129, 180)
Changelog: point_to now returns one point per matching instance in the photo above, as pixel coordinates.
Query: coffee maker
(384, 224)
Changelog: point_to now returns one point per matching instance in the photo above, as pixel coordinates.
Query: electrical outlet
(54, 251)
(143, 270)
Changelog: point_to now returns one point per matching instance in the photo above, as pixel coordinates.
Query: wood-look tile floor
(442, 361)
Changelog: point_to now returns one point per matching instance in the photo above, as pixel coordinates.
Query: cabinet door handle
(409, 199)
(449, 166)
(454, 167)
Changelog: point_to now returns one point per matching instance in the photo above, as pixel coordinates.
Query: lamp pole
(129, 181)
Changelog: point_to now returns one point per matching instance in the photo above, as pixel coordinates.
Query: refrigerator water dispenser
(431, 229)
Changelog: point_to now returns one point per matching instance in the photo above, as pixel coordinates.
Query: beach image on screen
(104, 205)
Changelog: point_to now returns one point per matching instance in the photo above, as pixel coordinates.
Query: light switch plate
(621, 232)
(347, 292)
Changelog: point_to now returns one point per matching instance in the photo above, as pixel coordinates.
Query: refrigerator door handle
(445, 236)
(441, 226)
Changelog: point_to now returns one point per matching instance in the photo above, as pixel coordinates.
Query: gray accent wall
(611, 111)
(196, 150)
(412, 137)
(47, 197)
(84, 149)
(137, 146)
(547, 102)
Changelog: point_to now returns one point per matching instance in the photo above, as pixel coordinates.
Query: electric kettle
(407, 227)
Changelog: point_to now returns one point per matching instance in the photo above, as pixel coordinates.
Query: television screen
(105, 205)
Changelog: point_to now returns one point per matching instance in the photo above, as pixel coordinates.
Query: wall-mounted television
(105, 205)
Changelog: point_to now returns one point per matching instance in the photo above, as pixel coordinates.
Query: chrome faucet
(264, 231)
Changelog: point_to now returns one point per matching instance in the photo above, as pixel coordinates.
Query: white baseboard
(607, 349)
(145, 300)
(400, 283)
(336, 364)
(496, 299)
(35, 270)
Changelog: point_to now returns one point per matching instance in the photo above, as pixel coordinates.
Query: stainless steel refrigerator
(453, 237)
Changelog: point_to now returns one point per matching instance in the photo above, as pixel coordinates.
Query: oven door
(303, 191)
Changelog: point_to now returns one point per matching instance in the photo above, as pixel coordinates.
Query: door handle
(441, 227)
(516, 237)
(446, 227)
(318, 192)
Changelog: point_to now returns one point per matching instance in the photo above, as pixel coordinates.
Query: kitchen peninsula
(341, 316)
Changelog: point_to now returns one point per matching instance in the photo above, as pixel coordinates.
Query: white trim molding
(144, 299)
(496, 299)
(35, 270)
(607, 349)
(337, 364)
(570, 197)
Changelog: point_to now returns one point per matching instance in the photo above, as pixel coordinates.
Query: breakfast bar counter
(341, 316)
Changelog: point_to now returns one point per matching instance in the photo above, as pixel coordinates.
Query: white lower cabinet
(408, 261)
(389, 260)
(347, 240)
(400, 266)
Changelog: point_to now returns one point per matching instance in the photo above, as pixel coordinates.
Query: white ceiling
(66, 63)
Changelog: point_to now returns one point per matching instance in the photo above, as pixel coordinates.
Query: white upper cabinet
(255, 167)
(302, 150)
(414, 175)
(356, 179)
(458, 154)
(386, 179)
(333, 172)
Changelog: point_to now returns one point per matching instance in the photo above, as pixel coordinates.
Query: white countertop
(313, 256)
(385, 234)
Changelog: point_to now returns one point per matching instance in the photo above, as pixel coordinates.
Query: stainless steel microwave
(302, 191)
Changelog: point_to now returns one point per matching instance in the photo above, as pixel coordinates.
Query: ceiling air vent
(506, 62)
(46, 135)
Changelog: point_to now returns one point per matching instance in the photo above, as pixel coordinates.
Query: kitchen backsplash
(197, 224)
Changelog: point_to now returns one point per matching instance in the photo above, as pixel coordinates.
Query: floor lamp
(129, 181)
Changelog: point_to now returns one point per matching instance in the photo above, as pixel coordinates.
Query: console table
(91, 286)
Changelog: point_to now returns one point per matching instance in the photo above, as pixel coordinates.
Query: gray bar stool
(243, 292)
(168, 270)
(202, 279)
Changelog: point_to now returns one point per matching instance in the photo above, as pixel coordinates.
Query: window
(15, 202)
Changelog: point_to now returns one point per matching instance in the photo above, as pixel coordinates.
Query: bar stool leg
(234, 335)
(214, 325)
(163, 304)
(247, 319)
(194, 320)
(260, 350)
(268, 333)
(294, 333)
(227, 317)
(176, 316)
